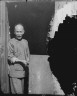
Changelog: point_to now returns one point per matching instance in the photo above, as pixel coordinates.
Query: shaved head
(19, 27)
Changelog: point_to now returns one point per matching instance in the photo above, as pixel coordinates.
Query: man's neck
(19, 39)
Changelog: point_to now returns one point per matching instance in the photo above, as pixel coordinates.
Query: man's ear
(23, 31)
(14, 32)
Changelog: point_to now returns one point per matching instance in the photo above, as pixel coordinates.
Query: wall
(35, 16)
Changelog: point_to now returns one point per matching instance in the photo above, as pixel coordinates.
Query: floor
(41, 78)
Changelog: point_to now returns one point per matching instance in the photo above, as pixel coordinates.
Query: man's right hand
(25, 62)
(14, 59)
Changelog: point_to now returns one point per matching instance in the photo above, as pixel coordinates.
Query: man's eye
(18, 31)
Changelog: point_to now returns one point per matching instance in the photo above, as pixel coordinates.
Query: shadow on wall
(63, 53)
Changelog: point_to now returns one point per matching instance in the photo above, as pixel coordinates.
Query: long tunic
(20, 50)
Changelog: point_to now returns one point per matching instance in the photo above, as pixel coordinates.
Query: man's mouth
(19, 36)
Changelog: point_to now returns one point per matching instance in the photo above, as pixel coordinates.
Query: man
(18, 57)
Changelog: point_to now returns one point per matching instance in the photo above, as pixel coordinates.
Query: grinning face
(19, 31)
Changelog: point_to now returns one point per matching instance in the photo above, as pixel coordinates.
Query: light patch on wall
(69, 9)
(57, 86)
(15, 6)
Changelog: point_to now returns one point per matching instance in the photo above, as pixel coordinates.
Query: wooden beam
(24, 0)
(14, 0)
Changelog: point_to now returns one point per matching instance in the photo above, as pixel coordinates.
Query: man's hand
(28, 60)
(24, 61)
(14, 59)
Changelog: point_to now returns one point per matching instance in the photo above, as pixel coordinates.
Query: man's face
(19, 31)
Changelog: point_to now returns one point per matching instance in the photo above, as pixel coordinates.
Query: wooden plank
(0, 42)
(4, 71)
(3, 39)
(14, 0)
(25, 0)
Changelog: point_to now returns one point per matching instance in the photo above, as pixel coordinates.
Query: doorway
(35, 16)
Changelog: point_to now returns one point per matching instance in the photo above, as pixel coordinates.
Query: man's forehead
(19, 27)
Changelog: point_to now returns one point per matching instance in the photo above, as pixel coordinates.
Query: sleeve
(10, 50)
(27, 52)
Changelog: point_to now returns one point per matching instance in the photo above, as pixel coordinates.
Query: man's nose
(19, 32)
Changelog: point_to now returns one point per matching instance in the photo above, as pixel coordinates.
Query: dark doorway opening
(35, 16)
